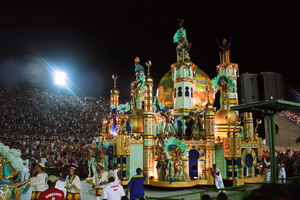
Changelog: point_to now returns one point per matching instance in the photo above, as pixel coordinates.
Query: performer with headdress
(72, 185)
(39, 182)
(99, 180)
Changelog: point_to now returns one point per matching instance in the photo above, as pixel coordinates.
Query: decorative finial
(115, 77)
(148, 64)
(180, 21)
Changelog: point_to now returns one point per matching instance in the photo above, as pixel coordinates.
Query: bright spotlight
(60, 78)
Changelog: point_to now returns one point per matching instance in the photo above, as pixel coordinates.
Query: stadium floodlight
(60, 78)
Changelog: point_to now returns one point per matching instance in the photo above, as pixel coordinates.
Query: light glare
(60, 78)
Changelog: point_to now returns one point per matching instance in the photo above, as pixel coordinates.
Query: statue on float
(225, 84)
(170, 160)
(197, 122)
(183, 46)
(98, 153)
(225, 51)
(168, 127)
(138, 85)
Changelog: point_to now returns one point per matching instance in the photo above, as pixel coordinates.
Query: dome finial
(148, 64)
(115, 77)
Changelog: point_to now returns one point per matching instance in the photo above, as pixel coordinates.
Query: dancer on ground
(39, 182)
(218, 177)
(281, 172)
(99, 180)
(72, 185)
(116, 173)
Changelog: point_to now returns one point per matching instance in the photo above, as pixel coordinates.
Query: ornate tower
(115, 93)
(229, 96)
(148, 153)
(183, 72)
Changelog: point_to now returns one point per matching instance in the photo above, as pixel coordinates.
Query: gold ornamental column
(148, 154)
(248, 125)
(209, 129)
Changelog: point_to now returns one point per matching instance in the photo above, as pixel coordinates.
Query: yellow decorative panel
(122, 145)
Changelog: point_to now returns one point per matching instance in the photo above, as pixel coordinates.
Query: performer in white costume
(72, 185)
(218, 177)
(39, 182)
(281, 172)
(99, 180)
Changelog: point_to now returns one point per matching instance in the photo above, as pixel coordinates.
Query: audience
(291, 115)
(54, 129)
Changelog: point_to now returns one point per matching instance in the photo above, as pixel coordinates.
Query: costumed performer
(72, 185)
(99, 180)
(38, 182)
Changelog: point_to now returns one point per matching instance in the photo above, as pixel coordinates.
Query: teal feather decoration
(178, 33)
(217, 82)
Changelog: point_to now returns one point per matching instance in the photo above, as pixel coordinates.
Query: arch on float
(245, 158)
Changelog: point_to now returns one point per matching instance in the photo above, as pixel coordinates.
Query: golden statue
(225, 53)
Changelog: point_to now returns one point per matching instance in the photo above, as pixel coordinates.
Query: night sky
(92, 40)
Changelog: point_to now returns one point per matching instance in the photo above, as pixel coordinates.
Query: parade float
(177, 135)
(11, 186)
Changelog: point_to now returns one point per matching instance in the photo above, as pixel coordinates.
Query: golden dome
(200, 94)
(222, 116)
(209, 106)
(149, 79)
(115, 91)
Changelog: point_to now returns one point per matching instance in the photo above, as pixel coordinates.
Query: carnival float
(11, 164)
(177, 135)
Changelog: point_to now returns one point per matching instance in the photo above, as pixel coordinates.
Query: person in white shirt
(281, 172)
(72, 185)
(25, 169)
(39, 182)
(99, 180)
(268, 169)
(113, 190)
(116, 173)
(218, 177)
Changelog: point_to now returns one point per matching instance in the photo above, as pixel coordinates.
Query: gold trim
(174, 184)
(148, 136)
(183, 80)
(226, 130)
(148, 147)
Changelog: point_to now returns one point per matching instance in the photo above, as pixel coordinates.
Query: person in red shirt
(52, 193)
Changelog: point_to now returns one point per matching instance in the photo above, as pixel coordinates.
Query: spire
(115, 77)
(114, 97)
(148, 65)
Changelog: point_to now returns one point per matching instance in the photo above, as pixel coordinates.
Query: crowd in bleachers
(52, 128)
(292, 116)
